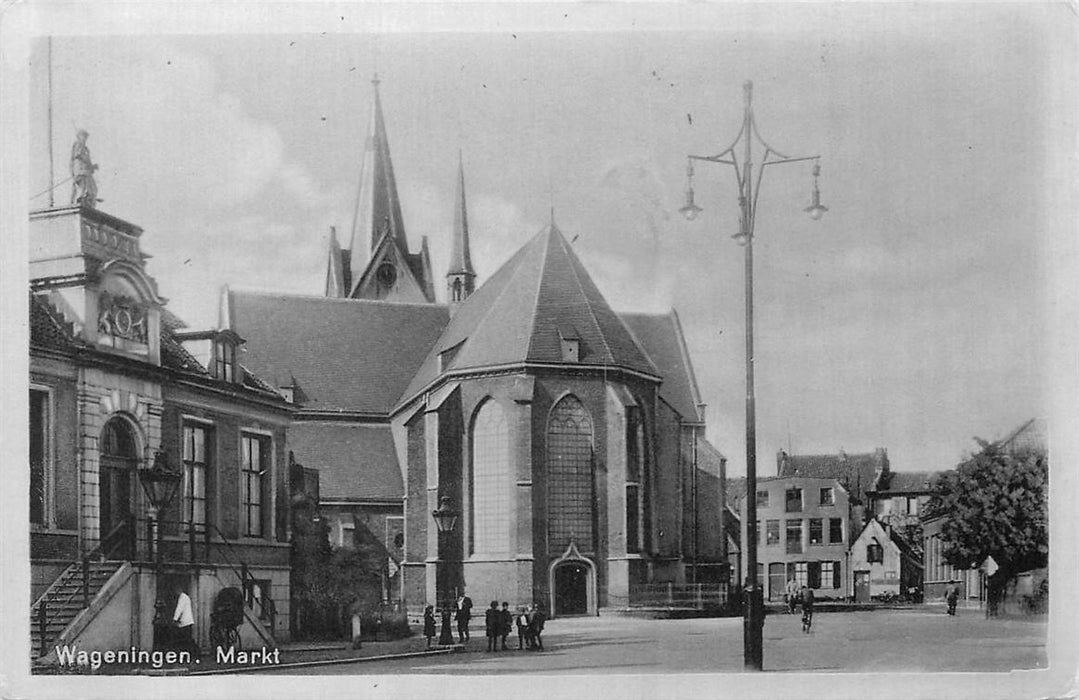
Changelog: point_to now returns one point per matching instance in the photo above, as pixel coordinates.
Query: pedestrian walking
(184, 620)
(791, 595)
(807, 599)
(507, 623)
(521, 620)
(429, 624)
(951, 596)
(493, 621)
(535, 628)
(464, 615)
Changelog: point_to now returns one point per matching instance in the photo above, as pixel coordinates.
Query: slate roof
(661, 337)
(856, 472)
(353, 461)
(909, 481)
(47, 328)
(517, 316)
(345, 354)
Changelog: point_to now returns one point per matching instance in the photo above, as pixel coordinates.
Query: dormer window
(225, 359)
(571, 344)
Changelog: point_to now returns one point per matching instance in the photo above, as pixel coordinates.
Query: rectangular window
(773, 532)
(255, 459)
(801, 574)
(633, 542)
(814, 574)
(224, 360)
(874, 553)
(794, 500)
(827, 574)
(835, 530)
(837, 577)
(912, 505)
(762, 499)
(827, 496)
(758, 532)
(39, 456)
(195, 465)
(794, 536)
(816, 531)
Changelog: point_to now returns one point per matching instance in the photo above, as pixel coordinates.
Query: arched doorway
(573, 584)
(119, 459)
(571, 588)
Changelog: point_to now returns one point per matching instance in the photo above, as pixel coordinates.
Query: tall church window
(637, 502)
(491, 466)
(570, 494)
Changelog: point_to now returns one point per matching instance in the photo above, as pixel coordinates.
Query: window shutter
(814, 574)
(837, 579)
(790, 570)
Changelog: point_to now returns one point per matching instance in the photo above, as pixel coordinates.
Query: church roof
(661, 337)
(524, 310)
(353, 461)
(346, 355)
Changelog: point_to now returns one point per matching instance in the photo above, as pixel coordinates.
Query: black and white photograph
(376, 349)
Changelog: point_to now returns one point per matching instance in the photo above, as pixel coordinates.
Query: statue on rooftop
(83, 187)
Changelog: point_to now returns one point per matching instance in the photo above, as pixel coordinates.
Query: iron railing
(673, 595)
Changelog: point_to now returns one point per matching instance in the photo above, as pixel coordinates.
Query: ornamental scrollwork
(122, 317)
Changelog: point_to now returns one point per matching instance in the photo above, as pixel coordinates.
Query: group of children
(500, 622)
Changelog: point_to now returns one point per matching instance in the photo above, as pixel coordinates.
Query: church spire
(378, 209)
(460, 278)
(338, 274)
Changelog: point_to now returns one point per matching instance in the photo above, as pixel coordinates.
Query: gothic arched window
(490, 483)
(570, 493)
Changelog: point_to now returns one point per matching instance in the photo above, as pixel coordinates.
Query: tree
(994, 504)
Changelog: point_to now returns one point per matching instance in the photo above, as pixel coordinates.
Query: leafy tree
(994, 504)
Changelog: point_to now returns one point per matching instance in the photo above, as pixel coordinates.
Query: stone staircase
(64, 601)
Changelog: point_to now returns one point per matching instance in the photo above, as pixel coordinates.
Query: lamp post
(159, 482)
(445, 520)
(748, 191)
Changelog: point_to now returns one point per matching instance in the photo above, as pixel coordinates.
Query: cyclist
(807, 608)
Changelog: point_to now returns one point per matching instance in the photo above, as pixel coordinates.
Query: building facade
(883, 563)
(803, 534)
(114, 392)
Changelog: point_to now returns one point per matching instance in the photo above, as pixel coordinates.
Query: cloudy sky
(913, 316)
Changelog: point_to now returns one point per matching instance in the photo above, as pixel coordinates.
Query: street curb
(456, 648)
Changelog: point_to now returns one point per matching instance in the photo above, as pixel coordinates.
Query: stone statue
(83, 187)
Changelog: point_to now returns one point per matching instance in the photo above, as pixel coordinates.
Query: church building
(563, 433)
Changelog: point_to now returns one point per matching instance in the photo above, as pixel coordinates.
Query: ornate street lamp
(445, 516)
(445, 520)
(160, 483)
(747, 202)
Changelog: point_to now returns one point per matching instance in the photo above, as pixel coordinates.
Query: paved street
(895, 640)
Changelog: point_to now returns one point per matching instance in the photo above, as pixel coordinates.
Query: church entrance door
(571, 588)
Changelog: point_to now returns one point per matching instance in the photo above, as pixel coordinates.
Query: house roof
(856, 472)
(49, 330)
(1031, 436)
(709, 458)
(517, 314)
(661, 337)
(736, 491)
(908, 481)
(353, 461)
(345, 354)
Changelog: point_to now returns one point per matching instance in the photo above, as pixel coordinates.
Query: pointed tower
(338, 272)
(378, 209)
(391, 273)
(460, 278)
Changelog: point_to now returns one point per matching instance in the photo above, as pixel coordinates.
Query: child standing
(429, 624)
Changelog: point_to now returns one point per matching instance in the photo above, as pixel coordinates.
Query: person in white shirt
(184, 620)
